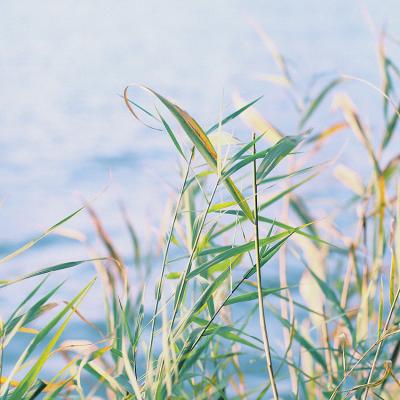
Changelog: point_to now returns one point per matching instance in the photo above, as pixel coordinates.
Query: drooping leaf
(202, 143)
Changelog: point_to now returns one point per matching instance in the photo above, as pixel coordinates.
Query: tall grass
(242, 241)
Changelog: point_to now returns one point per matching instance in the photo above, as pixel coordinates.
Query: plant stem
(182, 283)
(378, 350)
(263, 323)
(164, 262)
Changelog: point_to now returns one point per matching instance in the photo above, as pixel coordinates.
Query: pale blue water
(66, 134)
(64, 128)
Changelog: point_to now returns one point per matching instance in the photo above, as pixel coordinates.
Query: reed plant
(256, 292)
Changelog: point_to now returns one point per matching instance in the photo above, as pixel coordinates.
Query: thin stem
(348, 373)
(378, 350)
(181, 285)
(263, 323)
(218, 310)
(182, 282)
(164, 262)
(286, 308)
(325, 341)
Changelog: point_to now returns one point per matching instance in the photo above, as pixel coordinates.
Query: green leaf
(252, 296)
(32, 374)
(314, 352)
(37, 239)
(276, 154)
(173, 275)
(202, 143)
(172, 136)
(316, 102)
(202, 300)
(233, 115)
(236, 250)
(47, 270)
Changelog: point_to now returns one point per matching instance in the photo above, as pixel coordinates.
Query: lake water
(65, 133)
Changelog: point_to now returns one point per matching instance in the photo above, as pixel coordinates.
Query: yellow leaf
(222, 138)
(349, 178)
(257, 122)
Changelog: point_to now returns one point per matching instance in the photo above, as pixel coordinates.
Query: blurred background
(66, 135)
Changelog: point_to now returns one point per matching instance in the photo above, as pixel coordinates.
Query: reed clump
(259, 291)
